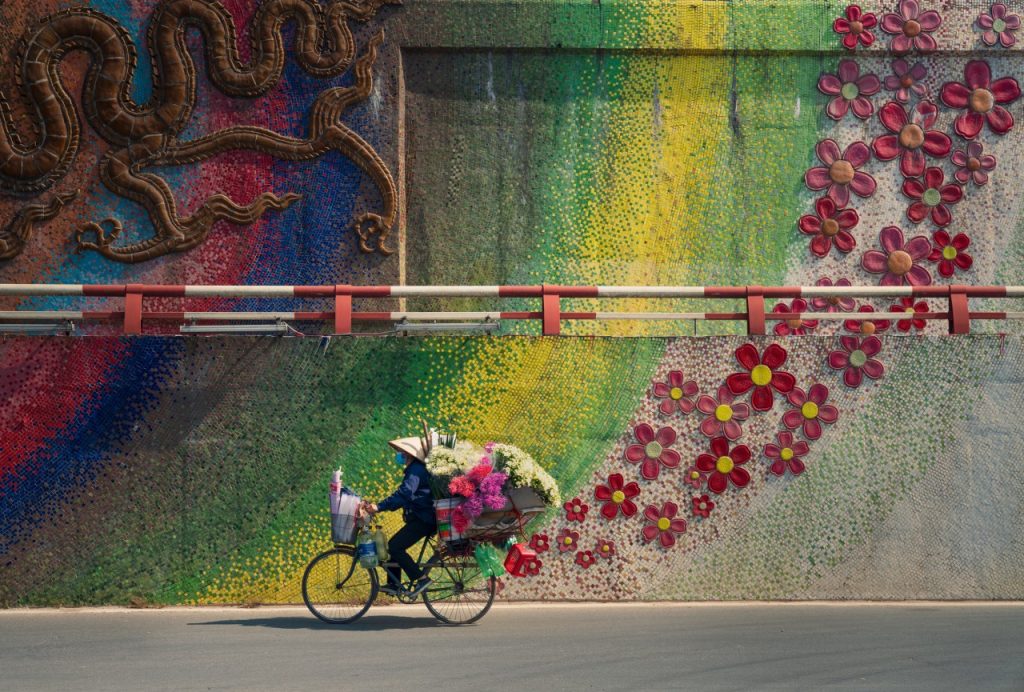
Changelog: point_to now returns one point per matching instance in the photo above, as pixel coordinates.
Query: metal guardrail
(551, 314)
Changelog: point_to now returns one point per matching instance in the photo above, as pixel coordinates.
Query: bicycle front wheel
(460, 593)
(336, 589)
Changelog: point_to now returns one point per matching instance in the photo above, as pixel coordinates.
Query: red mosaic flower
(723, 416)
(998, 26)
(576, 509)
(949, 253)
(567, 539)
(905, 79)
(786, 454)
(849, 91)
(866, 327)
(811, 411)
(605, 549)
(906, 304)
(585, 558)
(653, 450)
(910, 137)
(855, 27)
(676, 393)
(931, 195)
(833, 303)
(531, 567)
(898, 260)
(856, 359)
(840, 173)
(663, 524)
(702, 506)
(695, 478)
(829, 225)
(617, 496)
(762, 374)
(724, 465)
(795, 326)
(982, 99)
(912, 28)
(973, 164)
(539, 542)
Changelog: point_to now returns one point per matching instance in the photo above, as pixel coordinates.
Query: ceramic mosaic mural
(446, 142)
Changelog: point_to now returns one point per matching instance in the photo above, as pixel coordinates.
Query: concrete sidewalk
(659, 646)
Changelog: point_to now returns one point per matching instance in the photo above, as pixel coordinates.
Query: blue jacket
(414, 496)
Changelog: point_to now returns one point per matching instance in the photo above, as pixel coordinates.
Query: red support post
(959, 314)
(755, 310)
(133, 308)
(342, 309)
(551, 305)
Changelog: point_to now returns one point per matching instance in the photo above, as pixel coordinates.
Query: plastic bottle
(381, 541)
(366, 549)
(334, 492)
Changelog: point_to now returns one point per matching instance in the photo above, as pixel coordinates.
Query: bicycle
(339, 591)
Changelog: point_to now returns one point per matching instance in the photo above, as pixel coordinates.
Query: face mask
(400, 458)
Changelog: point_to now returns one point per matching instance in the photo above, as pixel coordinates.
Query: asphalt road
(920, 646)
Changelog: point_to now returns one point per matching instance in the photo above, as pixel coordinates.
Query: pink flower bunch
(482, 488)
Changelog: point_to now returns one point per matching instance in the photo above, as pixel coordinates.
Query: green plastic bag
(489, 561)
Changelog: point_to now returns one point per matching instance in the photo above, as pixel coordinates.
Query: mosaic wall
(518, 142)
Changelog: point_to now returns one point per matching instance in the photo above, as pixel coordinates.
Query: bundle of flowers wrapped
(488, 478)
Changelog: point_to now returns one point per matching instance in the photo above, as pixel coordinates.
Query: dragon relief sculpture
(145, 135)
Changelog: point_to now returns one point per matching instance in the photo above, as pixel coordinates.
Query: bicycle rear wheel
(336, 589)
(460, 593)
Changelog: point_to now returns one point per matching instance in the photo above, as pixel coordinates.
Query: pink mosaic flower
(998, 26)
(898, 260)
(605, 549)
(906, 79)
(906, 304)
(949, 252)
(794, 326)
(786, 454)
(652, 450)
(695, 478)
(973, 164)
(724, 465)
(532, 567)
(576, 509)
(833, 303)
(585, 558)
(849, 91)
(829, 224)
(723, 415)
(702, 506)
(663, 524)
(866, 327)
(856, 358)
(855, 27)
(982, 99)
(840, 173)
(910, 137)
(912, 28)
(567, 539)
(762, 374)
(617, 496)
(539, 542)
(676, 394)
(931, 196)
(811, 411)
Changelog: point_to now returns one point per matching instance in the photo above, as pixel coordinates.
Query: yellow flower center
(694, 475)
(786, 454)
(653, 450)
(664, 523)
(702, 505)
(724, 464)
(676, 393)
(809, 410)
(567, 540)
(949, 252)
(761, 375)
(604, 548)
(618, 496)
(723, 412)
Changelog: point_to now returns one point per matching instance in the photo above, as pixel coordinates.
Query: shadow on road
(369, 623)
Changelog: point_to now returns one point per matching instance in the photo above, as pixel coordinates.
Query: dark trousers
(407, 536)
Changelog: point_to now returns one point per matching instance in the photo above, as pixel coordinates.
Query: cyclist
(416, 500)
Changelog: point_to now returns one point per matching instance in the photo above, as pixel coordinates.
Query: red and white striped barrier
(551, 313)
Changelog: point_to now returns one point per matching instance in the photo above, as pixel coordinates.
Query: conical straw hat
(410, 445)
